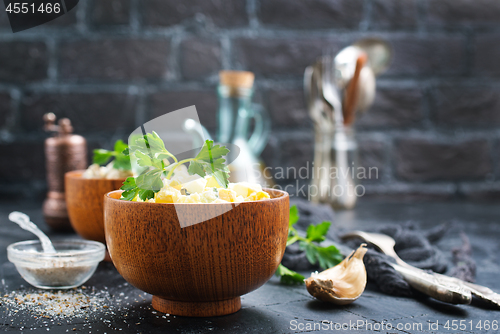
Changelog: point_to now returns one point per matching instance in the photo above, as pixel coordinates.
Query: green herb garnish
(326, 257)
(288, 276)
(121, 159)
(150, 152)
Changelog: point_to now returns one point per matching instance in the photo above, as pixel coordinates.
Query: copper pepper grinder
(64, 152)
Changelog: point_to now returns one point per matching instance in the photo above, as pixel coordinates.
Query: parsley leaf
(325, 257)
(129, 184)
(212, 154)
(143, 159)
(150, 180)
(101, 156)
(122, 162)
(221, 177)
(120, 155)
(288, 276)
(210, 161)
(196, 167)
(155, 143)
(294, 215)
(129, 188)
(120, 146)
(317, 232)
(145, 194)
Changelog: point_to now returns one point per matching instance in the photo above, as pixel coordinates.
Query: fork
(386, 245)
(332, 96)
(330, 91)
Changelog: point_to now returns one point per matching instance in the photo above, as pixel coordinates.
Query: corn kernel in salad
(257, 196)
(245, 189)
(169, 195)
(227, 194)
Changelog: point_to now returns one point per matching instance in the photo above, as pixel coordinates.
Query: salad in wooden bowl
(195, 243)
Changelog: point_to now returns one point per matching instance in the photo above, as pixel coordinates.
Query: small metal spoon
(386, 244)
(24, 221)
(444, 288)
(379, 53)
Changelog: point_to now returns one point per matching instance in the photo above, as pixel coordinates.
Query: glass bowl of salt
(63, 264)
(71, 265)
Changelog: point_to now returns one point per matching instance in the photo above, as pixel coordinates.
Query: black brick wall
(111, 65)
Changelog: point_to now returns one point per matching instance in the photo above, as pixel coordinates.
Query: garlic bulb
(343, 283)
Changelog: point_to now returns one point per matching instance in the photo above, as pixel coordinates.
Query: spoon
(24, 221)
(386, 244)
(379, 53)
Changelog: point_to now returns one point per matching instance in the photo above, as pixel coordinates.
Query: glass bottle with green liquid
(244, 124)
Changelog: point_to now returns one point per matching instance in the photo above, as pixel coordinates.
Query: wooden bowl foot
(197, 309)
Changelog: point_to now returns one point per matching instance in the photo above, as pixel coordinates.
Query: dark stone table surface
(275, 308)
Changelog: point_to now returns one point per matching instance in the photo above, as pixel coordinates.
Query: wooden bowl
(84, 199)
(203, 269)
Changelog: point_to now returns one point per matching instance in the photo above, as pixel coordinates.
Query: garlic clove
(343, 283)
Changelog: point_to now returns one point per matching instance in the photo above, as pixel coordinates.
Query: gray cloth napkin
(413, 245)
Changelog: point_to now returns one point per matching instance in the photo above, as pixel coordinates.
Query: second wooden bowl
(84, 199)
(199, 270)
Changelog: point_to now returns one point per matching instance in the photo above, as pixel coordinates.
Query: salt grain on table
(58, 304)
